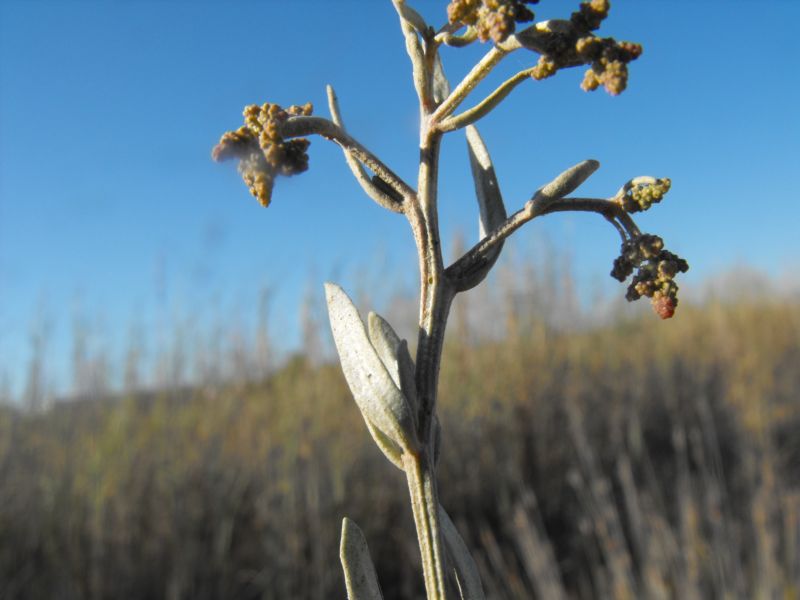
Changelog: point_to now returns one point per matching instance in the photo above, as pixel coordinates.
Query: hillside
(633, 459)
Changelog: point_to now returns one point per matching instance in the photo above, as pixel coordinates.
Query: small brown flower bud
(544, 68)
(641, 193)
(665, 306)
(590, 81)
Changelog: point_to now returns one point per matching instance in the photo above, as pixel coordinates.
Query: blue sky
(110, 207)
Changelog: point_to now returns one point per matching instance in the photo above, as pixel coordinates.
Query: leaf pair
(379, 370)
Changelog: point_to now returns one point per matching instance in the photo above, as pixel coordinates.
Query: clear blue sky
(110, 206)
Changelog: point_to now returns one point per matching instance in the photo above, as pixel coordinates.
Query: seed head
(571, 43)
(609, 62)
(655, 269)
(492, 19)
(590, 15)
(261, 149)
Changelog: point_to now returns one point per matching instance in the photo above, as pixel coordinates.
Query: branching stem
(470, 81)
(470, 116)
(459, 272)
(300, 126)
(447, 36)
(435, 299)
(263, 155)
(359, 172)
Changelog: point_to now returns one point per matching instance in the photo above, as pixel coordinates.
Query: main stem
(435, 298)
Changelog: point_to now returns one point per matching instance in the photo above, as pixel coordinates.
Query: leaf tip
(332, 290)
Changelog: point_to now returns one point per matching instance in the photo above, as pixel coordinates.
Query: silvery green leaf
(412, 16)
(385, 341)
(359, 572)
(408, 381)
(490, 203)
(568, 181)
(410, 23)
(380, 400)
(395, 356)
(390, 450)
(441, 87)
(469, 582)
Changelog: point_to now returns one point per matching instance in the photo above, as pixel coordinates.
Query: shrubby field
(619, 458)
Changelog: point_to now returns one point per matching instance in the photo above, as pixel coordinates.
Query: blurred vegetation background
(593, 453)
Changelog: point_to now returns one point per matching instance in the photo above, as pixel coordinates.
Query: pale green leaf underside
(360, 577)
(490, 201)
(469, 581)
(381, 402)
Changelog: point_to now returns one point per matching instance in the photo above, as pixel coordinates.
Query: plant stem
(434, 291)
(435, 299)
(483, 108)
(424, 503)
(300, 126)
(472, 79)
(359, 172)
(474, 258)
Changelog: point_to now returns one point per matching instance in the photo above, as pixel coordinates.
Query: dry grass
(639, 459)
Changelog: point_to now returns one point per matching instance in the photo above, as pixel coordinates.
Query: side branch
(474, 259)
(301, 126)
(470, 116)
(386, 198)
(473, 267)
(448, 36)
(472, 79)
(609, 209)
(462, 273)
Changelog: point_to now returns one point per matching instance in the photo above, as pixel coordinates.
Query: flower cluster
(261, 149)
(655, 268)
(590, 15)
(492, 19)
(609, 60)
(641, 193)
(571, 43)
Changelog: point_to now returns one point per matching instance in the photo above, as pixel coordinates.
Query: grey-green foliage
(466, 571)
(385, 408)
(397, 398)
(359, 572)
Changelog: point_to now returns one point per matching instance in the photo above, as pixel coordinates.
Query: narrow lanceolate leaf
(412, 16)
(469, 582)
(385, 341)
(408, 380)
(441, 87)
(490, 201)
(395, 356)
(393, 352)
(490, 204)
(380, 400)
(567, 182)
(390, 450)
(359, 572)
